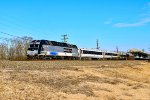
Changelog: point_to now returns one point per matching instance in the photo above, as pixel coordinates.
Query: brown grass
(73, 80)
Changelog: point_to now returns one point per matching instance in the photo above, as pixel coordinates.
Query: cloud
(146, 9)
(148, 4)
(140, 23)
(109, 21)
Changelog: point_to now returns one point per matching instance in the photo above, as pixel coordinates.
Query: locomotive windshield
(33, 47)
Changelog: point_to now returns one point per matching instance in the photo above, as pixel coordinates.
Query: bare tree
(15, 48)
(26, 40)
(3, 51)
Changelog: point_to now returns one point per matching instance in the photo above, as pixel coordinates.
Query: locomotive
(45, 49)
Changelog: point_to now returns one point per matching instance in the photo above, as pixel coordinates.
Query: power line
(12, 20)
(10, 34)
(15, 26)
(4, 38)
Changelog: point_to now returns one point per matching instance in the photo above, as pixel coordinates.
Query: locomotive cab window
(34, 45)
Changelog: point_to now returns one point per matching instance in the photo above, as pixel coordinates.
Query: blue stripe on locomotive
(53, 53)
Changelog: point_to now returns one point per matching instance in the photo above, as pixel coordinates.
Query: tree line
(14, 48)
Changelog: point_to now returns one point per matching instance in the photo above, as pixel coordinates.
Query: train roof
(138, 51)
(55, 43)
(97, 50)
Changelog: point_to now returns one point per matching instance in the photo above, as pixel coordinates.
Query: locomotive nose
(32, 53)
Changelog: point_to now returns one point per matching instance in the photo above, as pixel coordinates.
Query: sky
(122, 23)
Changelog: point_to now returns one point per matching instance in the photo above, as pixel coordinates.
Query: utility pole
(97, 44)
(65, 38)
(117, 49)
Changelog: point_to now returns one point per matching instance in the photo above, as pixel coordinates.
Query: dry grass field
(74, 80)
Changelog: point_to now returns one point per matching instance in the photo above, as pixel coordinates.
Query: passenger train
(45, 49)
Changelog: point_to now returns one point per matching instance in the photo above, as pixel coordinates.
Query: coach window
(100, 53)
(89, 52)
(84, 52)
